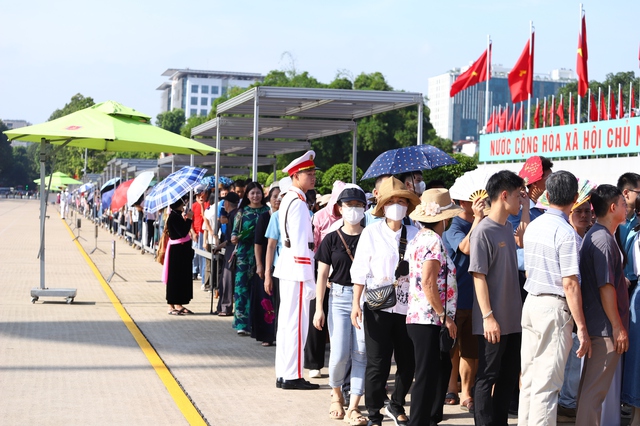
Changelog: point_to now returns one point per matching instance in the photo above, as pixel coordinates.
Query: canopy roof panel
(265, 147)
(317, 103)
(225, 161)
(273, 128)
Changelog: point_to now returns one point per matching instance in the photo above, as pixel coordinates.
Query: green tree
(171, 120)
(21, 171)
(280, 175)
(193, 121)
(449, 174)
(337, 172)
(5, 156)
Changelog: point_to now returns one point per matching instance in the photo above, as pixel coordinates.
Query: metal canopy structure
(260, 113)
(318, 103)
(334, 107)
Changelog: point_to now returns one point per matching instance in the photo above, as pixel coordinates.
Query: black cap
(352, 194)
(231, 197)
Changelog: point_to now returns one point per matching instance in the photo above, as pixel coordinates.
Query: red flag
(632, 108)
(560, 112)
(536, 117)
(502, 120)
(620, 103)
(572, 113)
(511, 124)
(593, 107)
(612, 106)
(475, 74)
(551, 111)
(521, 76)
(491, 123)
(603, 109)
(518, 122)
(583, 77)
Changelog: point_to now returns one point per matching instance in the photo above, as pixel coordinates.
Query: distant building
(195, 90)
(15, 124)
(463, 115)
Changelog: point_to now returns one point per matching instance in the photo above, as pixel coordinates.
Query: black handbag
(446, 341)
(385, 297)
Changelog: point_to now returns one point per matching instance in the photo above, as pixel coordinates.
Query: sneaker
(566, 415)
(315, 374)
(395, 417)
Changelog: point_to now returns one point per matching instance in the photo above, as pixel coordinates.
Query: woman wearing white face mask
(347, 343)
(377, 264)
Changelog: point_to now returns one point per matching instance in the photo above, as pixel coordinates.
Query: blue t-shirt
(223, 226)
(273, 232)
(452, 237)
(627, 237)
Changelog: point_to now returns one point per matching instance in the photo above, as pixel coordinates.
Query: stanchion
(78, 226)
(96, 246)
(214, 258)
(113, 269)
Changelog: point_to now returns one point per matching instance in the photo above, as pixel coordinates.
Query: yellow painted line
(182, 401)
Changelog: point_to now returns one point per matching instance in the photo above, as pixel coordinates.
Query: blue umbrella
(174, 187)
(106, 199)
(408, 159)
(110, 184)
(86, 187)
(210, 181)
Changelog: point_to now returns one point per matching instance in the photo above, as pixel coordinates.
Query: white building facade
(194, 91)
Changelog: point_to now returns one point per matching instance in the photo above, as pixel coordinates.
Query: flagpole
(486, 90)
(630, 97)
(609, 104)
(544, 113)
(599, 102)
(537, 110)
(620, 102)
(531, 76)
(589, 104)
(579, 106)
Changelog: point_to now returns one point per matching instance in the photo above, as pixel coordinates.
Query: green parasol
(59, 179)
(108, 126)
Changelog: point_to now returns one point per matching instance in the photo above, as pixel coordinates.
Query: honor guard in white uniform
(295, 269)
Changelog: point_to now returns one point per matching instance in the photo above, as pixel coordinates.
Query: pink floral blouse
(427, 245)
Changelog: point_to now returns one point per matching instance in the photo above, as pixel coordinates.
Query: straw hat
(392, 187)
(435, 205)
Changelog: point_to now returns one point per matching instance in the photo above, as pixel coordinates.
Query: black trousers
(385, 334)
(499, 365)
(314, 349)
(433, 369)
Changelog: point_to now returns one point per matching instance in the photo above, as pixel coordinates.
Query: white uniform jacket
(295, 263)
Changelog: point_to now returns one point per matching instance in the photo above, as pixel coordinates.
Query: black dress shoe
(279, 381)
(301, 384)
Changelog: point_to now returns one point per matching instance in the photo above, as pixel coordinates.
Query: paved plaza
(114, 356)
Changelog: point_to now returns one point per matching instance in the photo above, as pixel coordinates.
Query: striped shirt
(551, 248)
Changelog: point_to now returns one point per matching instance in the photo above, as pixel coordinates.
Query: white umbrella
(138, 187)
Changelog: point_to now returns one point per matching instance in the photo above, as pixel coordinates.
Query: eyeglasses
(634, 190)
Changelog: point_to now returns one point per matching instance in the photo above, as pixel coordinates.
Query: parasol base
(68, 293)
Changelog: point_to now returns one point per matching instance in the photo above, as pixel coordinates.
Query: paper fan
(585, 186)
(471, 185)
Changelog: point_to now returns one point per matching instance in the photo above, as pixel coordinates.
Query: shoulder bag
(385, 297)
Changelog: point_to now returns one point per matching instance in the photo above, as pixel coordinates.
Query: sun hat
(324, 199)
(435, 205)
(392, 187)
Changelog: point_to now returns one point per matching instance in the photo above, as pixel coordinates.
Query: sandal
(355, 418)
(175, 312)
(336, 410)
(451, 399)
(267, 344)
(186, 311)
(467, 405)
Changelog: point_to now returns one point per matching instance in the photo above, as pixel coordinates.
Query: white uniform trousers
(293, 326)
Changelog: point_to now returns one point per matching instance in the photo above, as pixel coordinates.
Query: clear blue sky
(51, 50)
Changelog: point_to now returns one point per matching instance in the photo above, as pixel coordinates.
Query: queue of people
(521, 299)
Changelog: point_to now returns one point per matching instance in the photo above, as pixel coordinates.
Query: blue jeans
(347, 342)
(569, 392)
(197, 259)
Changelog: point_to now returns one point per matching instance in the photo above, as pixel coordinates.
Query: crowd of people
(519, 296)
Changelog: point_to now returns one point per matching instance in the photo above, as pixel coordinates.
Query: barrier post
(78, 226)
(96, 246)
(113, 268)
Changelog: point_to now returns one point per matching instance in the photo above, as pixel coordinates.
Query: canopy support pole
(420, 114)
(354, 154)
(42, 291)
(217, 173)
(256, 113)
